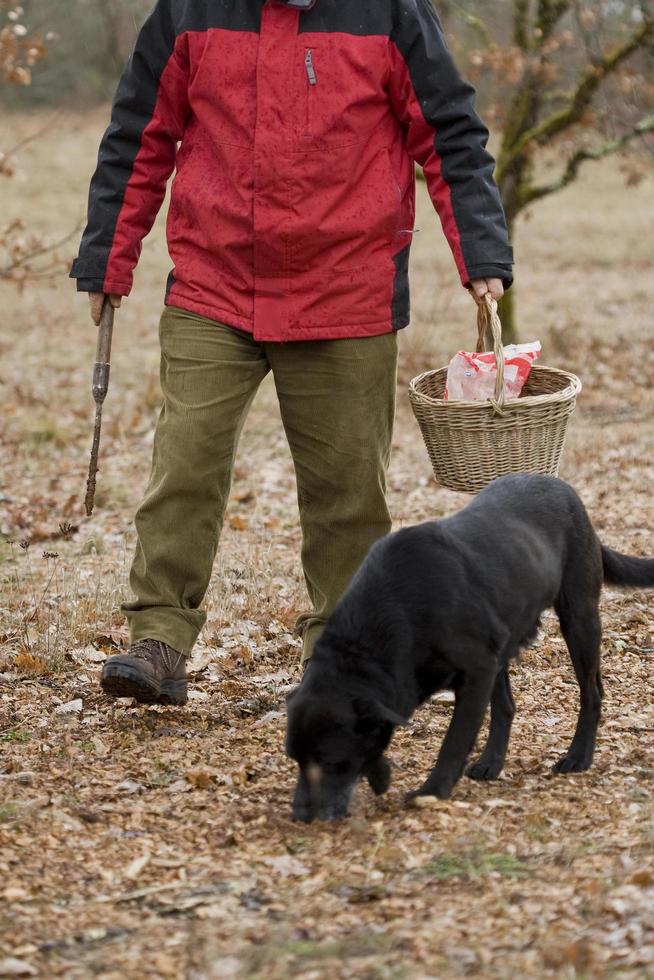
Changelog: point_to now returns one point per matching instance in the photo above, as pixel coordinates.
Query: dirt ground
(152, 842)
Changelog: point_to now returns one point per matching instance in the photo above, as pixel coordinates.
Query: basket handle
(487, 314)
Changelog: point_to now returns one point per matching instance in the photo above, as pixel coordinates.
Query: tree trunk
(118, 33)
(507, 307)
(507, 316)
(513, 178)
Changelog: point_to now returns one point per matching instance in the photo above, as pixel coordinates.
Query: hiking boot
(150, 671)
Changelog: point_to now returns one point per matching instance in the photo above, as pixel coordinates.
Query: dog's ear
(371, 714)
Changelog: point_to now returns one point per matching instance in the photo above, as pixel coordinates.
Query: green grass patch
(476, 864)
(84, 746)
(8, 812)
(47, 432)
(15, 736)
(358, 944)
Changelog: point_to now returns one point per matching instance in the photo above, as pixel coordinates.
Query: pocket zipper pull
(308, 63)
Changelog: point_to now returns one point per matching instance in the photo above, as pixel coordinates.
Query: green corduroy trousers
(337, 402)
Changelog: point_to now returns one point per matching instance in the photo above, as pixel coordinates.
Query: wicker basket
(472, 443)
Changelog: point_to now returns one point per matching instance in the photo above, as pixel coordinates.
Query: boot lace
(149, 649)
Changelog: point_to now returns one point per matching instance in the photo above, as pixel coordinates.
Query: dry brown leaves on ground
(151, 842)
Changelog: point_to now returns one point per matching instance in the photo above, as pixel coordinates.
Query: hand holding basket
(471, 443)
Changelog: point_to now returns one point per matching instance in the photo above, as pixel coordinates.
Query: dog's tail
(627, 571)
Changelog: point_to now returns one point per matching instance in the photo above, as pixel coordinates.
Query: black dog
(448, 604)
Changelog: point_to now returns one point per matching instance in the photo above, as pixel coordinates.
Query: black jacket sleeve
(137, 156)
(447, 138)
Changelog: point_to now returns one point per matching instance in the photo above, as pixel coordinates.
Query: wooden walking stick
(100, 387)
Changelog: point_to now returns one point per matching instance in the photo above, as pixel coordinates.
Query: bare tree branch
(477, 24)
(549, 14)
(12, 151)
(38, 250)
(646, 125)
(590, 81)
(521, 33)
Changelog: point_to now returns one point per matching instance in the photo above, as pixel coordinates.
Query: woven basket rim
(570, 391)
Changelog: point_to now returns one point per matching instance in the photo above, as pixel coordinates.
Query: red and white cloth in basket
(471, 376)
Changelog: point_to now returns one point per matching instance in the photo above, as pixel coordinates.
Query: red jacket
(293, 201)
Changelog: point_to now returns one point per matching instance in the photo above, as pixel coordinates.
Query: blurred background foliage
(560, 82)
(90, 40)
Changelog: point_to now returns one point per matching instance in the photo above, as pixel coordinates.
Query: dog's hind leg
(472, 697)
(582, 630)
(491, 761)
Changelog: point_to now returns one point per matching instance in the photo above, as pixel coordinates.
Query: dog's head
(336, 739)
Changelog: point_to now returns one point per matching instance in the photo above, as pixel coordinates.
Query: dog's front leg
(471, 701)
(491, 761)
(302, 802)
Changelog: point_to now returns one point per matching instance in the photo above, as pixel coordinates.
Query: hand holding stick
(100, 387)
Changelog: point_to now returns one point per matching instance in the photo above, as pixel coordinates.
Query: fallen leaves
(200, 778)
(644, 878)
(27, 663)
(74, 707)
(286, 865)
(12, 967)
(179, 798)
(88, 655)
(138, 839)
(100, 748)
(135, 868)
(238, 523)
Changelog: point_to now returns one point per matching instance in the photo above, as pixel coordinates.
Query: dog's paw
(302, 814)
(572, 763)
(428, 790)
(484, 770)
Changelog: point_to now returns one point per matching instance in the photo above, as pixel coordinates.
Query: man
(290, 224)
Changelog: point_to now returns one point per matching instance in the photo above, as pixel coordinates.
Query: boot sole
(121, 681)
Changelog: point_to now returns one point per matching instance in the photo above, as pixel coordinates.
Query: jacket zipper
(308, 64)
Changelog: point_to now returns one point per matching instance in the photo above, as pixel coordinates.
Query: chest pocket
(223, 89)
(340, 88)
